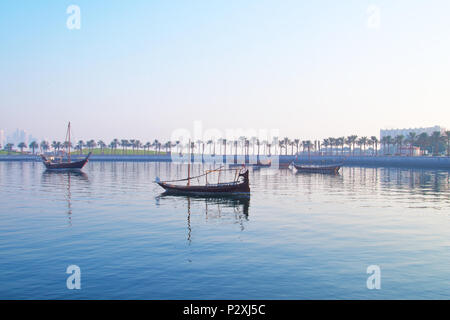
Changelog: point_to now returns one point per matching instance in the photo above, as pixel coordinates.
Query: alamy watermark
(73, 21)
(373, 17)
(374, 280)
(234, 145)
(74, 280)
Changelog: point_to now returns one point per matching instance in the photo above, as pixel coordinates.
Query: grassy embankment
(118, 152)
(12, 153)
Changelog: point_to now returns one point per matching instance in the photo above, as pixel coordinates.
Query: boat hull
(76, 165)
(237, 187)
(333, 169)
(218, 189)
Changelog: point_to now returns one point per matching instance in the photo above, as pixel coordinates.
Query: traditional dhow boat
(318, 168)
(240, 184)
(58, 163)
(259, 164)
(55, 163)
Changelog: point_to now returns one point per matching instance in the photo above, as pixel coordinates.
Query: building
(17, 137)
(2, 138)
(405, 132)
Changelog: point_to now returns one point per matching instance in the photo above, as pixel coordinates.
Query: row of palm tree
(434, 144)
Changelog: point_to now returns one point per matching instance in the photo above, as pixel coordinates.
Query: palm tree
(66, 145)
(91, 144)
(307, 144)
(9, 147)
(423, 141)
(359, 142)
(156, 145)
(332, 142)
(209, 143)
(45, 146)
(389, 141)
(138, 145)
(147, 146)
(246, 147)
(339, 142)
(124, 144)
(297, 143)
(55, 146)
(375, 143)
(435, 138)
(286, 144)
(114, 145)
(349, 142)
(33, 145)
(383, 141)
(447, 136)
(80, 145)
(111, 147)
(102, 145)
(235, 144)
(281, 146)
(21, 146)
(326, 144)
(364, 141)
(353, 138)
(224, 142)
(398, 140)
(133, 145)
(411, 139)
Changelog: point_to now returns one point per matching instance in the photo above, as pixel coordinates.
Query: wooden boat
(258, 164)
(55, 163)
(58, 163)
(319, 168)
(239, 185)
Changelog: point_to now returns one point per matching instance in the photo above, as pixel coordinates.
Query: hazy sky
(144, 69)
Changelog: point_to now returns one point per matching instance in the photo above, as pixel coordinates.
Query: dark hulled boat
(258, 164)
(58, 163)
(318, 168)
(239, 185)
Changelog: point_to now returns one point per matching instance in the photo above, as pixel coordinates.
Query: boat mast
(68, 130)
(189, 164)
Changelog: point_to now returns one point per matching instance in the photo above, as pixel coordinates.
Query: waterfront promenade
(377, 161)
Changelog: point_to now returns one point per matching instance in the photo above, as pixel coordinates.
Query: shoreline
(377, 161)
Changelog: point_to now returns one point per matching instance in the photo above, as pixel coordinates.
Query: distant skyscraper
(17, 137)
(2, 138)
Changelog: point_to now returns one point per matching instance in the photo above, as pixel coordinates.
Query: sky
(152, 69)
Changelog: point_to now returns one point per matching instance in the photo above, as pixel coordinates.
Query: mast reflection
(64, 178)
(215, 207)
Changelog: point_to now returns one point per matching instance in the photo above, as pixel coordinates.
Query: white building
(405, 132)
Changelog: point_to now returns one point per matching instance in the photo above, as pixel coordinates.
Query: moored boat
(55, 163)
(239, 185)
(318, 168)
(59, 163)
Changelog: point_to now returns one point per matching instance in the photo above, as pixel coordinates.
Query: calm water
(298, 236)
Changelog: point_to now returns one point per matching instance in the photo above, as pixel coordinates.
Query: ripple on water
(297, 236)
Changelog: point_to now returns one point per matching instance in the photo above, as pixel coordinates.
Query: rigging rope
(200, 175)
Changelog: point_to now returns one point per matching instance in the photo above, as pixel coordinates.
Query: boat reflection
(214, 207)
(64, 179)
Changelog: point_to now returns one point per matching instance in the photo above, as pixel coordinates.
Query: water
(299, 236)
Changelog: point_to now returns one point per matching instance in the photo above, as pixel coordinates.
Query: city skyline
(20, 135)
